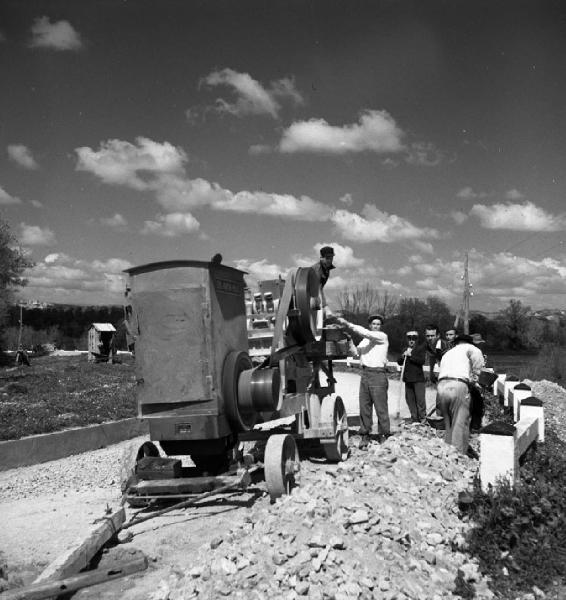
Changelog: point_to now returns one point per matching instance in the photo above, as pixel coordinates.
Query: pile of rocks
(384, 524)
(553, 397)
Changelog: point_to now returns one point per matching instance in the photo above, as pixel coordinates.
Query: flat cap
(327, 251)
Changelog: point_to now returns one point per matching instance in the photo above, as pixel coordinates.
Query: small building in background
(101, 342)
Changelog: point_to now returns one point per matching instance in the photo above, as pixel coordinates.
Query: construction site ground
(45, 508)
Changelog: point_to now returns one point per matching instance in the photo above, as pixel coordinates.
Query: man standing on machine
(322, 269)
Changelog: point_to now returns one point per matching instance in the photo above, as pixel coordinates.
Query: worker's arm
(477, 362)
(376, 336)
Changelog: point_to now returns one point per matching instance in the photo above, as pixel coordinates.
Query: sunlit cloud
(123, 163)
(171, 225)
(374, 225)
(517, 217)
(22, 156)
(36, 203)
(62, 278)
(376, 131)
(56, 36)
(34, 235)
(251, 97)
(6, 198)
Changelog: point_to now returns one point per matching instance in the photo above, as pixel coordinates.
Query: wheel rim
(281, 465)
(333, 413)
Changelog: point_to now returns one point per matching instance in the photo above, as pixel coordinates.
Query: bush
(518, 535)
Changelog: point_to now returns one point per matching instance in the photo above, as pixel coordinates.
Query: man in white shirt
(460, 366)
(372, 352)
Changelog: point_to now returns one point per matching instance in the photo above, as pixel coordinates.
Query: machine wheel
(304, 327)
(235, 363)
(147, 449)
(281, 463)
(333, 412)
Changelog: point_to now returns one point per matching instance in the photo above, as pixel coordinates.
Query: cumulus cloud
(275, 205)
(251, 97)
(34, 235)
(159, 168)
(62, 278)
(172, 225)
(6, 198)
(259, 270)
(376, 131)
(347, 200)
(374, 225)
(123, 163)
(36, 204)
(517, 217)
(22, 156)
(468, 193)
(56, 36)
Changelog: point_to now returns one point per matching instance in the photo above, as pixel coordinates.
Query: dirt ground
(61, 499)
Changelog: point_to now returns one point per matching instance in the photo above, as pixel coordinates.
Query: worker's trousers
(453, 400)
(373, 393)
(415, 396)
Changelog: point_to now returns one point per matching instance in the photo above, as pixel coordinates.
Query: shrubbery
(519, 533)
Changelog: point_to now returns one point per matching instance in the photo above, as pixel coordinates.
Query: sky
(404, 134)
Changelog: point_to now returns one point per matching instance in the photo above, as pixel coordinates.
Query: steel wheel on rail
(281, 465)
(333, 414)
(147, 449)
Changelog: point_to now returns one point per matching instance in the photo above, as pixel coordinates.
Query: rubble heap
(385, 524)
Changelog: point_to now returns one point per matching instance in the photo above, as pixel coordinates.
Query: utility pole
(21, 326)
(464, 312)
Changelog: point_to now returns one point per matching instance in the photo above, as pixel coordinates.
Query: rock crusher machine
(201, 395)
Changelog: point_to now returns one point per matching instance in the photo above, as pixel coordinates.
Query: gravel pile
(554, 402)
(382, 525)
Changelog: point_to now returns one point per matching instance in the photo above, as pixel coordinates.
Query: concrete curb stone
(60, 444)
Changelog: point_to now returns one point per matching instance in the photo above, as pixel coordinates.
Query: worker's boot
(364, 442)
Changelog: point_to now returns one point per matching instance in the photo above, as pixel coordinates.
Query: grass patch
(519, 534)
(550, 364)
(57, 393)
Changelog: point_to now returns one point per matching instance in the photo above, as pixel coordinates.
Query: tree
(13, 263)
(515, 319)
(358, 303)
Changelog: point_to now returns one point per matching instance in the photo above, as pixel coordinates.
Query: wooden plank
(48, 589)
(78, 557)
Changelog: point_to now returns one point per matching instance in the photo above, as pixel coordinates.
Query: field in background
(58, 392)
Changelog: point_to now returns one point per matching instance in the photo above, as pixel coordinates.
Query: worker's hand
(408, 352)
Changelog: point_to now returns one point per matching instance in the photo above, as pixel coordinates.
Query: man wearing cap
(412, 360)
(323, 267)
(372, 352)
(459, 368)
